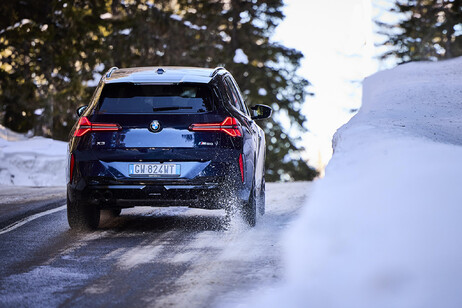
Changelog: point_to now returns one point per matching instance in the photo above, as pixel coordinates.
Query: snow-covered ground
(383, 228)
(33, 161)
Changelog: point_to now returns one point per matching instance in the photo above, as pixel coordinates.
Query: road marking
(24, 221)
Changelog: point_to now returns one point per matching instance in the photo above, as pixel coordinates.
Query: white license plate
(153, 169)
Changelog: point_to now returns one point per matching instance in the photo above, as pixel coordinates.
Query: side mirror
(261, 112)
(80, 110)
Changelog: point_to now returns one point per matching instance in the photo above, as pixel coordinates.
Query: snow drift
(382, 229)
(36, 161)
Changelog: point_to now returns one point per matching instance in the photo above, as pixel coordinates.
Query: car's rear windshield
(132, 98)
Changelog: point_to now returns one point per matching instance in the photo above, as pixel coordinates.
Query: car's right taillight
(84, 126)
(229, 125)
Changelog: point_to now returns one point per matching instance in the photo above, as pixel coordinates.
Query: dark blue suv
(166, 136)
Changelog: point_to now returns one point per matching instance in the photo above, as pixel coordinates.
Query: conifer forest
(52, 53)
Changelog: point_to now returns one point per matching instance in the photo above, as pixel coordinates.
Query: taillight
(241, 167)
(229, 126)
(86, 126)
(71, 168)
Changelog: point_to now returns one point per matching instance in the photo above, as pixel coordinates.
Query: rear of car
(158, 138)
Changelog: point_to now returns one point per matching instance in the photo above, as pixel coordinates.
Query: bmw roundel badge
(155, 126)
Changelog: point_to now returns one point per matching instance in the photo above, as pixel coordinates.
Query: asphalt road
(155, 257)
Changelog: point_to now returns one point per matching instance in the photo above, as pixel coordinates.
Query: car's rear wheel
(82, 216)
(249, 208)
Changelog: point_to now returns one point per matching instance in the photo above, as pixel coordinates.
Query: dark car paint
(101, 157)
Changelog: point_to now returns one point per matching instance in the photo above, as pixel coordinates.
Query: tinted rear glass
(131, 98)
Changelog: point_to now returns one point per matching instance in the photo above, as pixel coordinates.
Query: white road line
(24, 221)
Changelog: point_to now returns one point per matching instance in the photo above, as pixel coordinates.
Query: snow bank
(36, 161)
(382, 229)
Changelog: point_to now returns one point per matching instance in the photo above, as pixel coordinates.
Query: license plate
(153, 169)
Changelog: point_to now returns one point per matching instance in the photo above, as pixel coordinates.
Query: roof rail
(109, 72)
(215, 71)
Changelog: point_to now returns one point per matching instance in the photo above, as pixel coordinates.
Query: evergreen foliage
(51, 49)
(428, 30)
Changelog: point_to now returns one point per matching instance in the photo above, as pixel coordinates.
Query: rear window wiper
(170, 108)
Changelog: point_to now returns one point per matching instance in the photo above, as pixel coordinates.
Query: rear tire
(249, 209)
(81, 216)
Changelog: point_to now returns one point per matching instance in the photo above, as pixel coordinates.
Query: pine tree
(48, 49)
(267, 74)
(428, 30)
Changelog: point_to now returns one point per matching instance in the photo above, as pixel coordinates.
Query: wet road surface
(147, 257)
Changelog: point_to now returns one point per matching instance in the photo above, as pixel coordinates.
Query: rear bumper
(201, 184)
(207, 193)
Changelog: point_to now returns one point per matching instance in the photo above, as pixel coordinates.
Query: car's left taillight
(84, 126)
